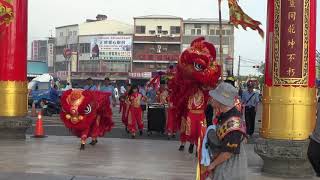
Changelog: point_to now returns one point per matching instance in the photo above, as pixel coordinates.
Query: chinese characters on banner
(50, 54)
(111, 48)
(291, 40)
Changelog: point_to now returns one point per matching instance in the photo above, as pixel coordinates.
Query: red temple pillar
(13, 68)
(289, 97)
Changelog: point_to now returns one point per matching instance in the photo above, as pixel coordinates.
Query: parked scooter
(49, 108)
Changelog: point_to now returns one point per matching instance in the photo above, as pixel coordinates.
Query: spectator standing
(89, 85)
(250, 101)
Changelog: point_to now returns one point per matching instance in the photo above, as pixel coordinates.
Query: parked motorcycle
(49, 107)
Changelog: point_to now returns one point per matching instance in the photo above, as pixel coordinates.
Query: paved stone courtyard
(58, 157)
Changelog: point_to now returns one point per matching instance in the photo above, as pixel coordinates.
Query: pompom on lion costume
(87, 114)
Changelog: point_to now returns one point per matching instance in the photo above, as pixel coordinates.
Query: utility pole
(239, 71)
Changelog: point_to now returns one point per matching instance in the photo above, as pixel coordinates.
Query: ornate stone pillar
(289, 97)
(13, 68)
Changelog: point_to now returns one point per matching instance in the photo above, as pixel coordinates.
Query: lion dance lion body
(86, 114)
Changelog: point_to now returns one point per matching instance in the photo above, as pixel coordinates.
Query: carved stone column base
(284, 158)
(14, 127)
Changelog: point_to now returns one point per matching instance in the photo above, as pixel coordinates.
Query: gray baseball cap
(225, 93)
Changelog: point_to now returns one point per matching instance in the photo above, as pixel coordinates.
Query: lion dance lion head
(197, 69)
(77, 108)
(198, 64)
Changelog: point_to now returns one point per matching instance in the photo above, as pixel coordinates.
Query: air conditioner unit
(172, 35)
(158, 35)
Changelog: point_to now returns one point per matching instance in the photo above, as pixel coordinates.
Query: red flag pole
(221, 48)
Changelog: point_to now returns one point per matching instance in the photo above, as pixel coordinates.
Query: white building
(66, 37)
(98, 46)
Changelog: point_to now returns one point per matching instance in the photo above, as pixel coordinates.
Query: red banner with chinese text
(291, 39)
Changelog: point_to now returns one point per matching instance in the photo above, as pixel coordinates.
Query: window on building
(193, 31)
(225, 50)
(175, 30)
(212, 32)
(159, 29)
(70, 33)
(61, 34)
(228, 32)
(140, 29)
(152, 32)
(59, 49)
(225, 40)
(75, 33)
(85, 48)
(165, 32)
(120, 32)
(197, 26)
(223, 32)
(198, 31)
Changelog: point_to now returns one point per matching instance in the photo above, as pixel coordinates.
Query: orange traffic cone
(38, 131)
(33, 110)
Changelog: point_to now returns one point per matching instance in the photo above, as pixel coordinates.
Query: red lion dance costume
(197, 72)
(86, 114)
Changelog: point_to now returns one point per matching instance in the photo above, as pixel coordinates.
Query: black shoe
(127, 130)
(168, 137)
(94, 142)
(173, 136)
(191, 148)
(181, 148)
(141, 132)
(82, 147)
(133, 136)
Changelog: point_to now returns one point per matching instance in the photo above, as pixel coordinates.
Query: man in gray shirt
(250, 101)
(314, 146)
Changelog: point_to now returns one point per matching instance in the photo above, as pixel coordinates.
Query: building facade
(66, 38)
(156, 42)
(43, 51)
(105, 46)
(39, 50)
(109, 47)
(209, 28)
(99, 46)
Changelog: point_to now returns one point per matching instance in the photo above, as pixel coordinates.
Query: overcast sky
(45, 15)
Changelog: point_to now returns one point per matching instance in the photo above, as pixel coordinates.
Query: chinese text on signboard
(111, 47)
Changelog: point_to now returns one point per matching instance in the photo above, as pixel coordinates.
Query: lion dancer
(197, 73)
(194, 123)
(124, 100)
(135, 112)
(162, 94)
